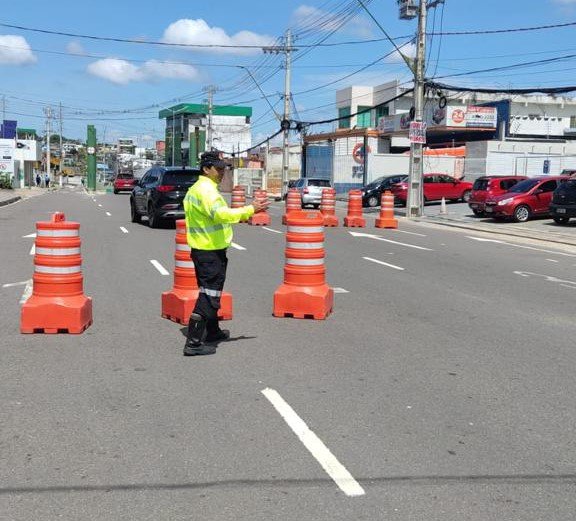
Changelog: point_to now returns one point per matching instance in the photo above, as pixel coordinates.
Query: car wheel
(153, 219)
(478, 213)
(373, 201)
(134, 215)
(466, 195)
(561, 220)
(521, 213)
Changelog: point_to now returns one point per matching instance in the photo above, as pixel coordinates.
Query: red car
(124, 183)
(491, 185)
(526, 199)
(436, 186)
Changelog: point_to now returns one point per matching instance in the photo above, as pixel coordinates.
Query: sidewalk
(11, 196)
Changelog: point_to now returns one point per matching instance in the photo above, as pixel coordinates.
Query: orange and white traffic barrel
(238, 197)
(293, 203)
(304, 293)
(387, 219)
(355, 219)
(260, 218)
(328, 207)
(58, 303)
(179, 302)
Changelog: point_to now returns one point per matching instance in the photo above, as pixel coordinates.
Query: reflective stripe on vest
(58, 251)
(184, 264)
(58, 233)
(304, 262)
(58, 270)
(211, 292)
(305, 245)
(207, 229)
(305, 229)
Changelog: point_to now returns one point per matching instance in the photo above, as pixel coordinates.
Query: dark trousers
(210, 266)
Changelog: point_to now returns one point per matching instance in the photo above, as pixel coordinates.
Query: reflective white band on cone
(57, 233)
(305, 229)
(305, 245)
(182, 247)
(304, 262)
(184, 264)
(58, 270)
(57, 251)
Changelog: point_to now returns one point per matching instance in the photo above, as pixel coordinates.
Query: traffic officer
(209, 234)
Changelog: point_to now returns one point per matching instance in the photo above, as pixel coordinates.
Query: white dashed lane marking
(124, 230)
(159, 267)
(237, 246)
(383, 263)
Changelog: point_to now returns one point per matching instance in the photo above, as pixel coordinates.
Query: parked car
(372, 192)
(525, 199)
(310, 189)
(124, 183)
(436, 186)
(487, 186)
(160, 194)
(563, 205)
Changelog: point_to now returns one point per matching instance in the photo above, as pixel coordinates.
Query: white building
(18, 157)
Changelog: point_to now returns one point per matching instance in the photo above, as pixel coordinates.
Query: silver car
(310, 189)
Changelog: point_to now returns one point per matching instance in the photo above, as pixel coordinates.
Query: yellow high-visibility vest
(208, 217)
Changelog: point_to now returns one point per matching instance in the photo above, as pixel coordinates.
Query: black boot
(214, 333)
(196, 335)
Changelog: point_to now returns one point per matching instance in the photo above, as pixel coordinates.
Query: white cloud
(358, 26)
(198, 32)
(15, 50)
(74, 47)
(408, 50)
(123, 72)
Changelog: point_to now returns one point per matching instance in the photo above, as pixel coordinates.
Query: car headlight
(504, 202)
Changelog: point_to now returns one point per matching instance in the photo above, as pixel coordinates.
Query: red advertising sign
(417, 133)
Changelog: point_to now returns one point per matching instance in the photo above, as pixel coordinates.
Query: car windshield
(319, 182)
(524, 186)
(180, 178)
(481, 184)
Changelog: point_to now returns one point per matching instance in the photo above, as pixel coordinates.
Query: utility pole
(408, 11)
(48, 112)
(61, 162)
(287, 49)
(210, 89)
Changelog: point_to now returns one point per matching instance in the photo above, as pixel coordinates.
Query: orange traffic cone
(355, 217)
(304, 293)
(179, 302)
(293, 203)
(387, 219)
(260, 218)
(58, 303)
(328, 207)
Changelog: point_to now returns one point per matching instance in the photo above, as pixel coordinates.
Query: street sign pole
(91, 158)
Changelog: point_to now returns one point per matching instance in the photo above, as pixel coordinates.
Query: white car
(310, 189)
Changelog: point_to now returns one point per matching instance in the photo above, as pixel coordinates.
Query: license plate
(560, 210)
(473, 206)
(488, 209)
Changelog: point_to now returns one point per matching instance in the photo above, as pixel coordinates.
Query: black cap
(213, 158)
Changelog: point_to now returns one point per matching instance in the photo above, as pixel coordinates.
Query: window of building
(344, 123)
(572, 121)
(381, 111)
(363, 120)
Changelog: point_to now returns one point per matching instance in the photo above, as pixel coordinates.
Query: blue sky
(120, 87)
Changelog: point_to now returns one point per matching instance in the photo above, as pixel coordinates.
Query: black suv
(372, 192)
(563, 205)
(159, 194)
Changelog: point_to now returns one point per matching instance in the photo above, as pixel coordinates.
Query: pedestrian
(47, 180)
(38, 180)
(209, 234)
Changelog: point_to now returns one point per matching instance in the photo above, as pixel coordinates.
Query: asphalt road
(442, 385)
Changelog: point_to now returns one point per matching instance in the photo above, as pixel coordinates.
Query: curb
(10, 201)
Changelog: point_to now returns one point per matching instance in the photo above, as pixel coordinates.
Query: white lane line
(124, 230)
(108, 214)
(237, 246)
(520, 246)
(378, 238)
(270, 229)
(33, 250)
(30, 235)
(552, 260)
(383, 263)
(315, 446)
(411, 233)
(27, 292)
(549, 278)
(14, 284)
(340, 290)
(100, 206)
(159, 267)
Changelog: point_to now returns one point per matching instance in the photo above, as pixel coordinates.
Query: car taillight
(165, 188)
(305, 190)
